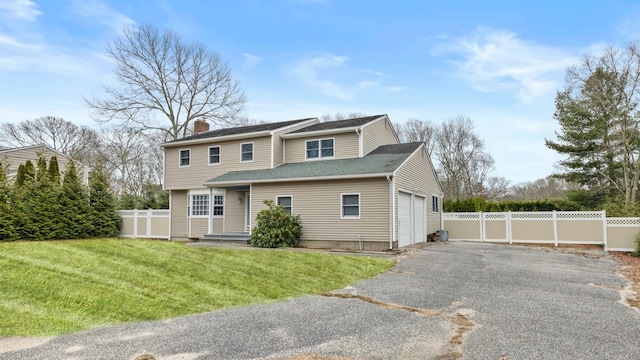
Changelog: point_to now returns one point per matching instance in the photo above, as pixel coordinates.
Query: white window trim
(224, 206)
(253, 152)
(180, 157)
(283, 196)
(191, 195)
(438, 204)
(352, 217)
(211, 195)
(219, 155)
(320, 157)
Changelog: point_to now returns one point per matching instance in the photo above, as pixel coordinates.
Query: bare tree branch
(166, 84)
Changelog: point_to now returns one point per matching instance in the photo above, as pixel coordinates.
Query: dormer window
(322, 148)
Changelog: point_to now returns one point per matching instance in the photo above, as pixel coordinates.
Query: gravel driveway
(444, 301)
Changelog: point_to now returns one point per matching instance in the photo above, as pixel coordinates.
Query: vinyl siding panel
(377, 133)
(345, 146)
(319, 205)
(199, 227)
(417, 173)
(234, 212)
(199, 171)
(12, 159)
(278, 150)
(179, 214)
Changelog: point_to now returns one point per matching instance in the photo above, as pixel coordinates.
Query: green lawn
(55, 287)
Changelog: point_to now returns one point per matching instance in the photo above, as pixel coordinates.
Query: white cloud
(497, 60)
(396, 88)
(101, 12)
(367, 84)
(250, 60)
(15, 43)
(376, 73)
(19, 9)
(307, 71)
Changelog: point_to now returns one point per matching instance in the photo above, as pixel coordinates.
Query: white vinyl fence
(551, 227)
(153, 224)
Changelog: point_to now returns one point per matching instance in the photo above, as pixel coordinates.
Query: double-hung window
(185, 157)
(434, 204)
(350, 204)
(246, 152)
(218, 205)
(214, 155)
(323, 148)
(286, 202)
(200, 205)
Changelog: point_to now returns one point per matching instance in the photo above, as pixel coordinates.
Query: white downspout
(272, 148)
(441, 211)
(360, 142)
(392, 214)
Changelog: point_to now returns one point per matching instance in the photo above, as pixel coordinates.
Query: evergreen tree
(127, 202)
(41, 174)
(163, 199)
(75, 210)
(54, 171)
(7, 228)
(148, 200)
(599, 117)
(3, 175)
(39, 208)
(104, 217)
(29, 172)
(21, 176)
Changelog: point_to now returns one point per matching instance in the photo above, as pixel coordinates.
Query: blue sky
(498, 62)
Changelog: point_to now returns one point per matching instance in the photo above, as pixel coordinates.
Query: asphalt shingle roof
(383, 160)
(338, 124)
(240, 130)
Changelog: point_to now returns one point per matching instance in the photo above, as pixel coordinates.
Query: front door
(247, 212)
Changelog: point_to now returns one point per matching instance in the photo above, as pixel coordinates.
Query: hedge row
(38, 205)
(480, 204)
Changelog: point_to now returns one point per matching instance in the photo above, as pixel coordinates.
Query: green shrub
(275, 228)
(637, 239)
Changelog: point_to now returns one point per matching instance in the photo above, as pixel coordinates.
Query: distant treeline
(479, 204)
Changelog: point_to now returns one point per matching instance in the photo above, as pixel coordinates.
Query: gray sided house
(13, 157)
(352, 183)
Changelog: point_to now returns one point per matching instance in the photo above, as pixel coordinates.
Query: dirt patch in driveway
(631, 271)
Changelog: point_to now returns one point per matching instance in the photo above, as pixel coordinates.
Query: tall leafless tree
(77, 142)
(418, 130)
(463, 165)
(132, 158)
(166, 84)
(340, 116)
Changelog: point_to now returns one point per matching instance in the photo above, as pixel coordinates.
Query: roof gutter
(333, 177)
(319, 132)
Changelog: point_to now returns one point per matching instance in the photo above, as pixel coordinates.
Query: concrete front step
(241, 238)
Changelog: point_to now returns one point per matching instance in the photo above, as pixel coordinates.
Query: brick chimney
(200, 126)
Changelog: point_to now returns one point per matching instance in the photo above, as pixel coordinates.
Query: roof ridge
(237, 130)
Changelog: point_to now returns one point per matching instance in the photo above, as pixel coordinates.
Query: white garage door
(404, 220)
(419, 217)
